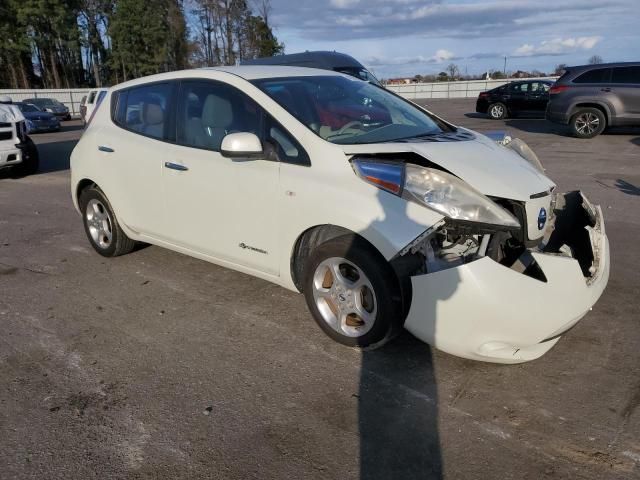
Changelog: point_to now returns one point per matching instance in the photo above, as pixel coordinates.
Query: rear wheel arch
(603, 108)
(83, 185)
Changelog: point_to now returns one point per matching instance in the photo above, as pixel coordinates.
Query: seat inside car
(152, 118)
(215, 122)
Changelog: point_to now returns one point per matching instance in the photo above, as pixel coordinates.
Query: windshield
(349, 111)
(25, 107)
(359, 72)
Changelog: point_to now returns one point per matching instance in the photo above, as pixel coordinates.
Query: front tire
(101, 226)
(30, 159)
(497, 111)
(588, 123)
(353, 293)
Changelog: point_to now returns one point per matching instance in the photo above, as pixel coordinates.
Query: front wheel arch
(310, 239)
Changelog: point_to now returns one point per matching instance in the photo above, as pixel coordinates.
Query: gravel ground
(157, 365)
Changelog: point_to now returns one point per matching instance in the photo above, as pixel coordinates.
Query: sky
(397, 38)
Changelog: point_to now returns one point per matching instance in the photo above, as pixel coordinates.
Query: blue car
(38, 120)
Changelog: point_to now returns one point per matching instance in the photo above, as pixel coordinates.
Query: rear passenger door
(625, 84)
(216, 206)
(134, 153)
(537, 96)
(518, 97)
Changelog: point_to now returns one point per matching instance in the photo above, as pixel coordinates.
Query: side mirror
(241, 145)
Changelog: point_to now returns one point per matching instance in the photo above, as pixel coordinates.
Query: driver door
(217, 206)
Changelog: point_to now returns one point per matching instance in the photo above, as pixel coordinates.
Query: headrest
(217, 112)
(152, 114)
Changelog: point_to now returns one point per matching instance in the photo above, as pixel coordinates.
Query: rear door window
(597, 75)
(520, 87)
(626, 75)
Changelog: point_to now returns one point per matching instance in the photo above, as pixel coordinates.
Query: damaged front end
(500, 295)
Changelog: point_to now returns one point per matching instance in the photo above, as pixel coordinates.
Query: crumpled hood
(490, 168)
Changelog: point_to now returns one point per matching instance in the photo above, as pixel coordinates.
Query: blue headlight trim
(388, 176)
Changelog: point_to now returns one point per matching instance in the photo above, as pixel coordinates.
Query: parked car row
(587, 98)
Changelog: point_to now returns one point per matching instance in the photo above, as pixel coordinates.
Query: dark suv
(590, 98)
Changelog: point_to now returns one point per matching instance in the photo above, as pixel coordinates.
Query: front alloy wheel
(352, 292)
(344, 297)
(497, 111)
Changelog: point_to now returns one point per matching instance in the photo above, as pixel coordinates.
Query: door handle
(104, 148)
(175, 166)
(606, 89)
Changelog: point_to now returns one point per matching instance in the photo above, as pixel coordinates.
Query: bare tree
(595, 59)
(453, 71)
(560, 69)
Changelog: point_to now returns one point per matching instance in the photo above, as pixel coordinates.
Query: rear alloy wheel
(497, 111)
(588, 123)
(352, 293)
(101, 225)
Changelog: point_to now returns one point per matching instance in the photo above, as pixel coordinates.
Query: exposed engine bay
(570, 231)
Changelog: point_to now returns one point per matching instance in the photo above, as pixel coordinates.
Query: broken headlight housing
(435, 189)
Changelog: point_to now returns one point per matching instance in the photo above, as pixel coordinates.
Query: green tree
(147, 37)
(16, 69)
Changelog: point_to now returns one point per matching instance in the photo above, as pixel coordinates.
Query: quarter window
(626, 75)
(145, 109)
(597, 75)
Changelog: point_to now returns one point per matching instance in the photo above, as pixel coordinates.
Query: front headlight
(30, 125)
(453, 198)
(435, 189)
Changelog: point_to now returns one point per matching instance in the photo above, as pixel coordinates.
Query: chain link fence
(70, 97)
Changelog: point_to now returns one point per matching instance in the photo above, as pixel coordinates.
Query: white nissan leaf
(382, 214)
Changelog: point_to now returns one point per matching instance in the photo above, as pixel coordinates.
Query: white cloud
(557, 46)
(344, 3)
(440, 56)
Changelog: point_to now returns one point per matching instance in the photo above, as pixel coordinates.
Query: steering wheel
(355, 123)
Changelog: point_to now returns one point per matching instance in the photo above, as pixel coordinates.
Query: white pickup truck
(17, 150)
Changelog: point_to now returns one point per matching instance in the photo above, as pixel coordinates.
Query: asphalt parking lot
(158, 365)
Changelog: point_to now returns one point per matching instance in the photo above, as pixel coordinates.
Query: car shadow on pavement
(398, 394)
(398, 412)
(537, 125)
(626, 187)
(55, 156)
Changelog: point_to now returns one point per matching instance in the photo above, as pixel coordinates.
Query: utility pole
(505, 66)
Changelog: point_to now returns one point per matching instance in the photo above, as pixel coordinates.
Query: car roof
(320, 59)
(247, 72)
(602, 65)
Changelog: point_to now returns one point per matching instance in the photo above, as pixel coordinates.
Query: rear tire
(353, 293)
(588, 122)
(101, 226)
(497, 111)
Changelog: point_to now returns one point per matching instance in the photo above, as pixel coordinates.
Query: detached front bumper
(486, 311)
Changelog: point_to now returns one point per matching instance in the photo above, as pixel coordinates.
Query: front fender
(386, 221)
